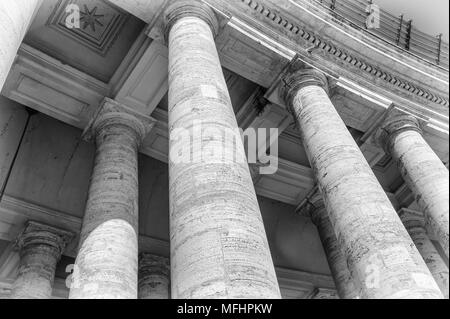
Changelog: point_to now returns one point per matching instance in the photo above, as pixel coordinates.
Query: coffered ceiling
(97, 47)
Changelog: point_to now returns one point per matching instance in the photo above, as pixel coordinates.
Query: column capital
(189, 8)
(35, 234)
(151, 263)
(297, 79)
(112, 113)
(412, 219)
(395, 123)
(313, 206)
(153, 277)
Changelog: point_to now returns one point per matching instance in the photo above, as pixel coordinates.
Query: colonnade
(218, 244)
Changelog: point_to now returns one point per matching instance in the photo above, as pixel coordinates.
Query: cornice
(330, 48)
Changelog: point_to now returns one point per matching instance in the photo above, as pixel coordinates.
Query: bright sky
(429, 16)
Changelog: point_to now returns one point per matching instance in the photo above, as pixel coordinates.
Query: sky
(429, 16)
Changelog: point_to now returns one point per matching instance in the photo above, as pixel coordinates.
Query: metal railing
(394, 30)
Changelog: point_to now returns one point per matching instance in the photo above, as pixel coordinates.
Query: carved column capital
(313, 206)
(412, 219)
(36, 235)
(395, 123)
(154, 277)
(189, 8)
(112, 114)
(296, 80)
(150, 263)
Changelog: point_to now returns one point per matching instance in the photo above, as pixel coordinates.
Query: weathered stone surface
(15, 17)
(40, 248)
(107, 262)
(415, 225)
(382, 259)
(422, 170)
(315, 208)
(154, 277)
(13, 118)
(219, 247)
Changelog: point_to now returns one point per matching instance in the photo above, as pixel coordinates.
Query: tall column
(107, 262)
(382, 259)
(41, 247)
(218, 243)
(422, 170)
(415, 225)
(154, 280)
(315, 208)
(15, 18)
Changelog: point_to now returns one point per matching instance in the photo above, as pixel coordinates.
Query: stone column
(107, 262)
(314, 207)
(218, 243)
(415, 225)
(381, 256)
(41, 247)
(15, 18)
(421, 168)
(154, 277)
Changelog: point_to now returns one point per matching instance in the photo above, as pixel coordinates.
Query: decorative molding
(352, 61)
(189, 8)
(296, 77)
(36, 233)
(394, 122)
(113, 112)
(73, 97)
(100, 23)
(397, 118)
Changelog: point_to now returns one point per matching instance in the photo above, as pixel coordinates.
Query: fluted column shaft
(422, 170)
(107, 262)
(40, 247)
(218, 245)
(415, 225)
(154, 277)
(381, 257)
(15, 18)
(315, 208)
